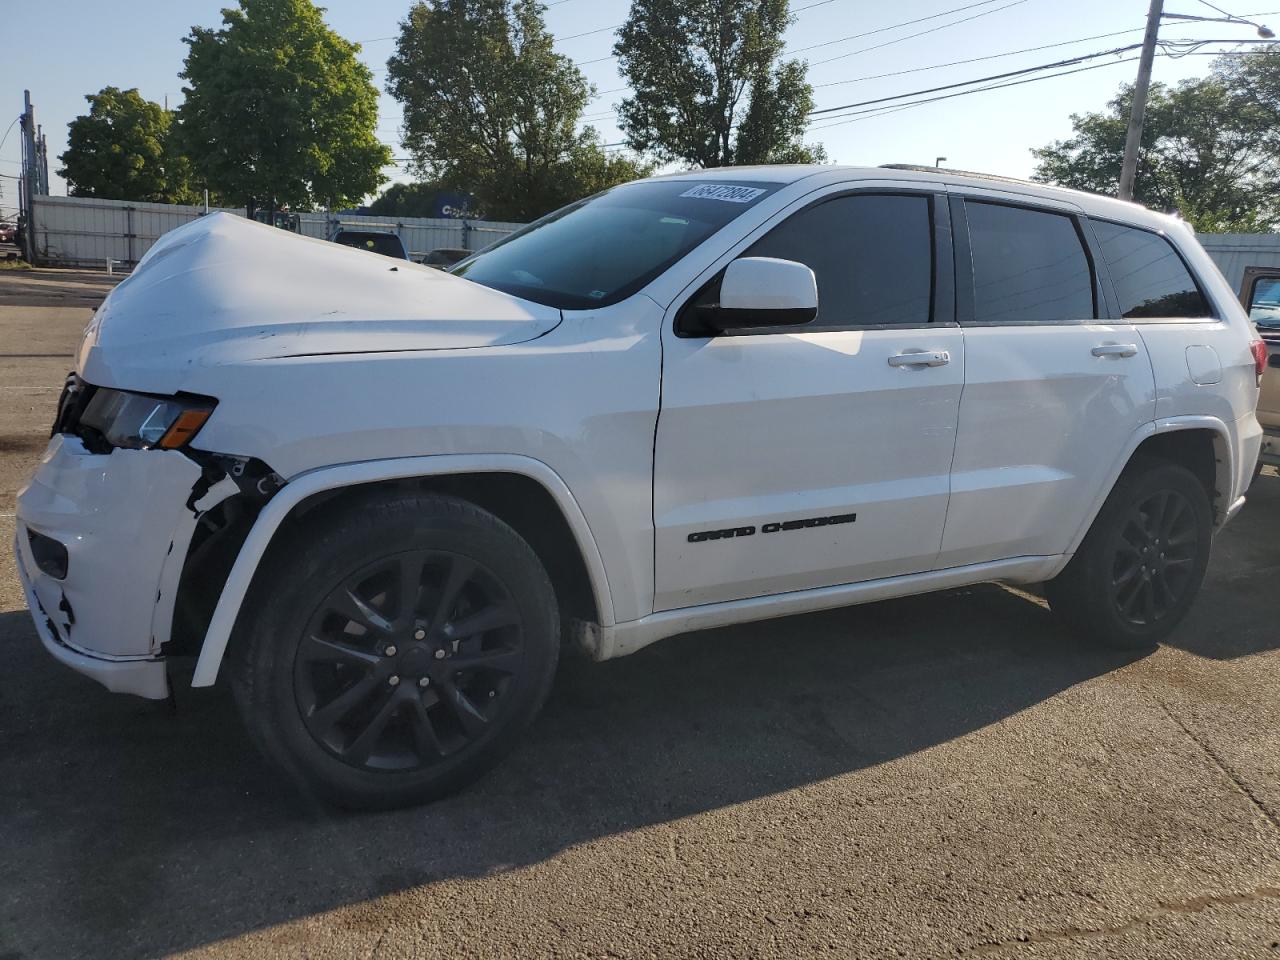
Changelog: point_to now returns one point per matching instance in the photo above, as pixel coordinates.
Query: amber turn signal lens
(184, 428)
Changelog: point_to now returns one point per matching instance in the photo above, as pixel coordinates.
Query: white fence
(79, 231)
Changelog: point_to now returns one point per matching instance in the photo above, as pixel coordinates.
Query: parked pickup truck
(379, 496)
(1260, 294)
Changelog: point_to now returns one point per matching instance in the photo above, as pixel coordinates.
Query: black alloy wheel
(1136, 573)
(394, 646)
(408, 660)
(1155, 554)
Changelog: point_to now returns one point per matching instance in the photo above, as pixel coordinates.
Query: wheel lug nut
(419, 634)
(391, 651)
(424, 682)
(440, 654)
(393, 680)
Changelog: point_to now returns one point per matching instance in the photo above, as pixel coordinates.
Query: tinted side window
(1149, 277)
(872, 256)
(1027, 266)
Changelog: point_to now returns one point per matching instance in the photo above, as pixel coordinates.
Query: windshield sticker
(723, 191)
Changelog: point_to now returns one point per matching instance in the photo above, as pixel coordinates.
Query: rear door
(1053, 393)
(800, 457)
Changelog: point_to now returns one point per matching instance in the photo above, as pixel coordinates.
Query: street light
(939, 161)
(1265, 32)
(1129, 169)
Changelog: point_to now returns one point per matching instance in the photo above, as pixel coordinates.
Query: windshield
(603, 249)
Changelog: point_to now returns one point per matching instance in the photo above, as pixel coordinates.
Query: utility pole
(30, 166)
(1129, 170)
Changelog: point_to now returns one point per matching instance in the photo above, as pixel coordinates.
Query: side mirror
(764, 292)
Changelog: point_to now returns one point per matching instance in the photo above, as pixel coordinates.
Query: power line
(940, 66)
(865, 114)
(991, 56)
(584, 63)
(967, 83)
(9, 130)
(588, 33)
(873, 112)
(892, 26)
(1218, 9)
(921, 33)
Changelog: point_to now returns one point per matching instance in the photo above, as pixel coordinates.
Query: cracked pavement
(944, 776)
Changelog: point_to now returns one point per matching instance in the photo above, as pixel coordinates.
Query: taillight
(1259, 349)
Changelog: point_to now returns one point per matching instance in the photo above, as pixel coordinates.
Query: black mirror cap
(721, 320)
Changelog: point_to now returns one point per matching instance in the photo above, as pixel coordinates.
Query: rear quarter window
(1149, 276)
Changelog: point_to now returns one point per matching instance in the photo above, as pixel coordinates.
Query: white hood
(223, 289)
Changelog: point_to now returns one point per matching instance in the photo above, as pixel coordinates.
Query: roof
(823, 174)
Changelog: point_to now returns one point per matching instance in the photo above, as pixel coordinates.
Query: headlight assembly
(137, 421)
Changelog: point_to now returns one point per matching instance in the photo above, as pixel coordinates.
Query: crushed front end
(104, 526)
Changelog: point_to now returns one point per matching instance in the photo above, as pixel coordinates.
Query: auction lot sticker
(723, 191)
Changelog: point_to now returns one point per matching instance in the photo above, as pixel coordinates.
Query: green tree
(491, 109)
(406, 200)
(279, 111)
(1209, 151)
(710, 88)
(123, 149)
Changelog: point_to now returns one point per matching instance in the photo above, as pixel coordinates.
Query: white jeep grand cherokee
(377, 495)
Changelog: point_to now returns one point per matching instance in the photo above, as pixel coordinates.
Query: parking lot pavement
(950, 775)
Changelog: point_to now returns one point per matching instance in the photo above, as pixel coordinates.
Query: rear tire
(394, 647)
(1141, 564)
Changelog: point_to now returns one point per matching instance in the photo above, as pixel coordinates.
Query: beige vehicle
(1260, 294)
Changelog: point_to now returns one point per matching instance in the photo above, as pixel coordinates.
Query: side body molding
(308, 484)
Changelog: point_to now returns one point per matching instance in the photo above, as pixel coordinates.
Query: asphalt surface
(951, 775)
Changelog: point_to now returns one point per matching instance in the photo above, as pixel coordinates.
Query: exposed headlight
(137, 421)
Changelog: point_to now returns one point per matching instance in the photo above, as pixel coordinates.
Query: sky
(62, 51)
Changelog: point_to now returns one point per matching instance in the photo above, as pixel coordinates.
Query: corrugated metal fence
(79, 231)
(1232, 252)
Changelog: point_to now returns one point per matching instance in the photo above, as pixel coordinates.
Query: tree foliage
(1210, 147)
(710, 88)
(491, 109)
(122, 149)
(406, 200)
(279, 110)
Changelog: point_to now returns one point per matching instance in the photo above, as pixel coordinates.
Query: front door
(802, 457)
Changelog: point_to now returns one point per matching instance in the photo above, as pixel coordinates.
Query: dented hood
(223, 289)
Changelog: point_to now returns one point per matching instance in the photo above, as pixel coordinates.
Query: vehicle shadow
(134, 829)
(73, 288)
(1223, 624)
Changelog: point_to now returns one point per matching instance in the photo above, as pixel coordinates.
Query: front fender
(311, 482)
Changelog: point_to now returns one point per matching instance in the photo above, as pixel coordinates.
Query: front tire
(394, 648)
(1141, 564)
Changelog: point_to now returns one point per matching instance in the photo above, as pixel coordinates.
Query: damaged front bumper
(144, 676)
(101, 540)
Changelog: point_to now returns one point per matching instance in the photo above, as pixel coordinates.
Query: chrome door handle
(923, 358)
(1115, 350)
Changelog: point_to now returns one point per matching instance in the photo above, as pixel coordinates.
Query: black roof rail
(921, 168)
